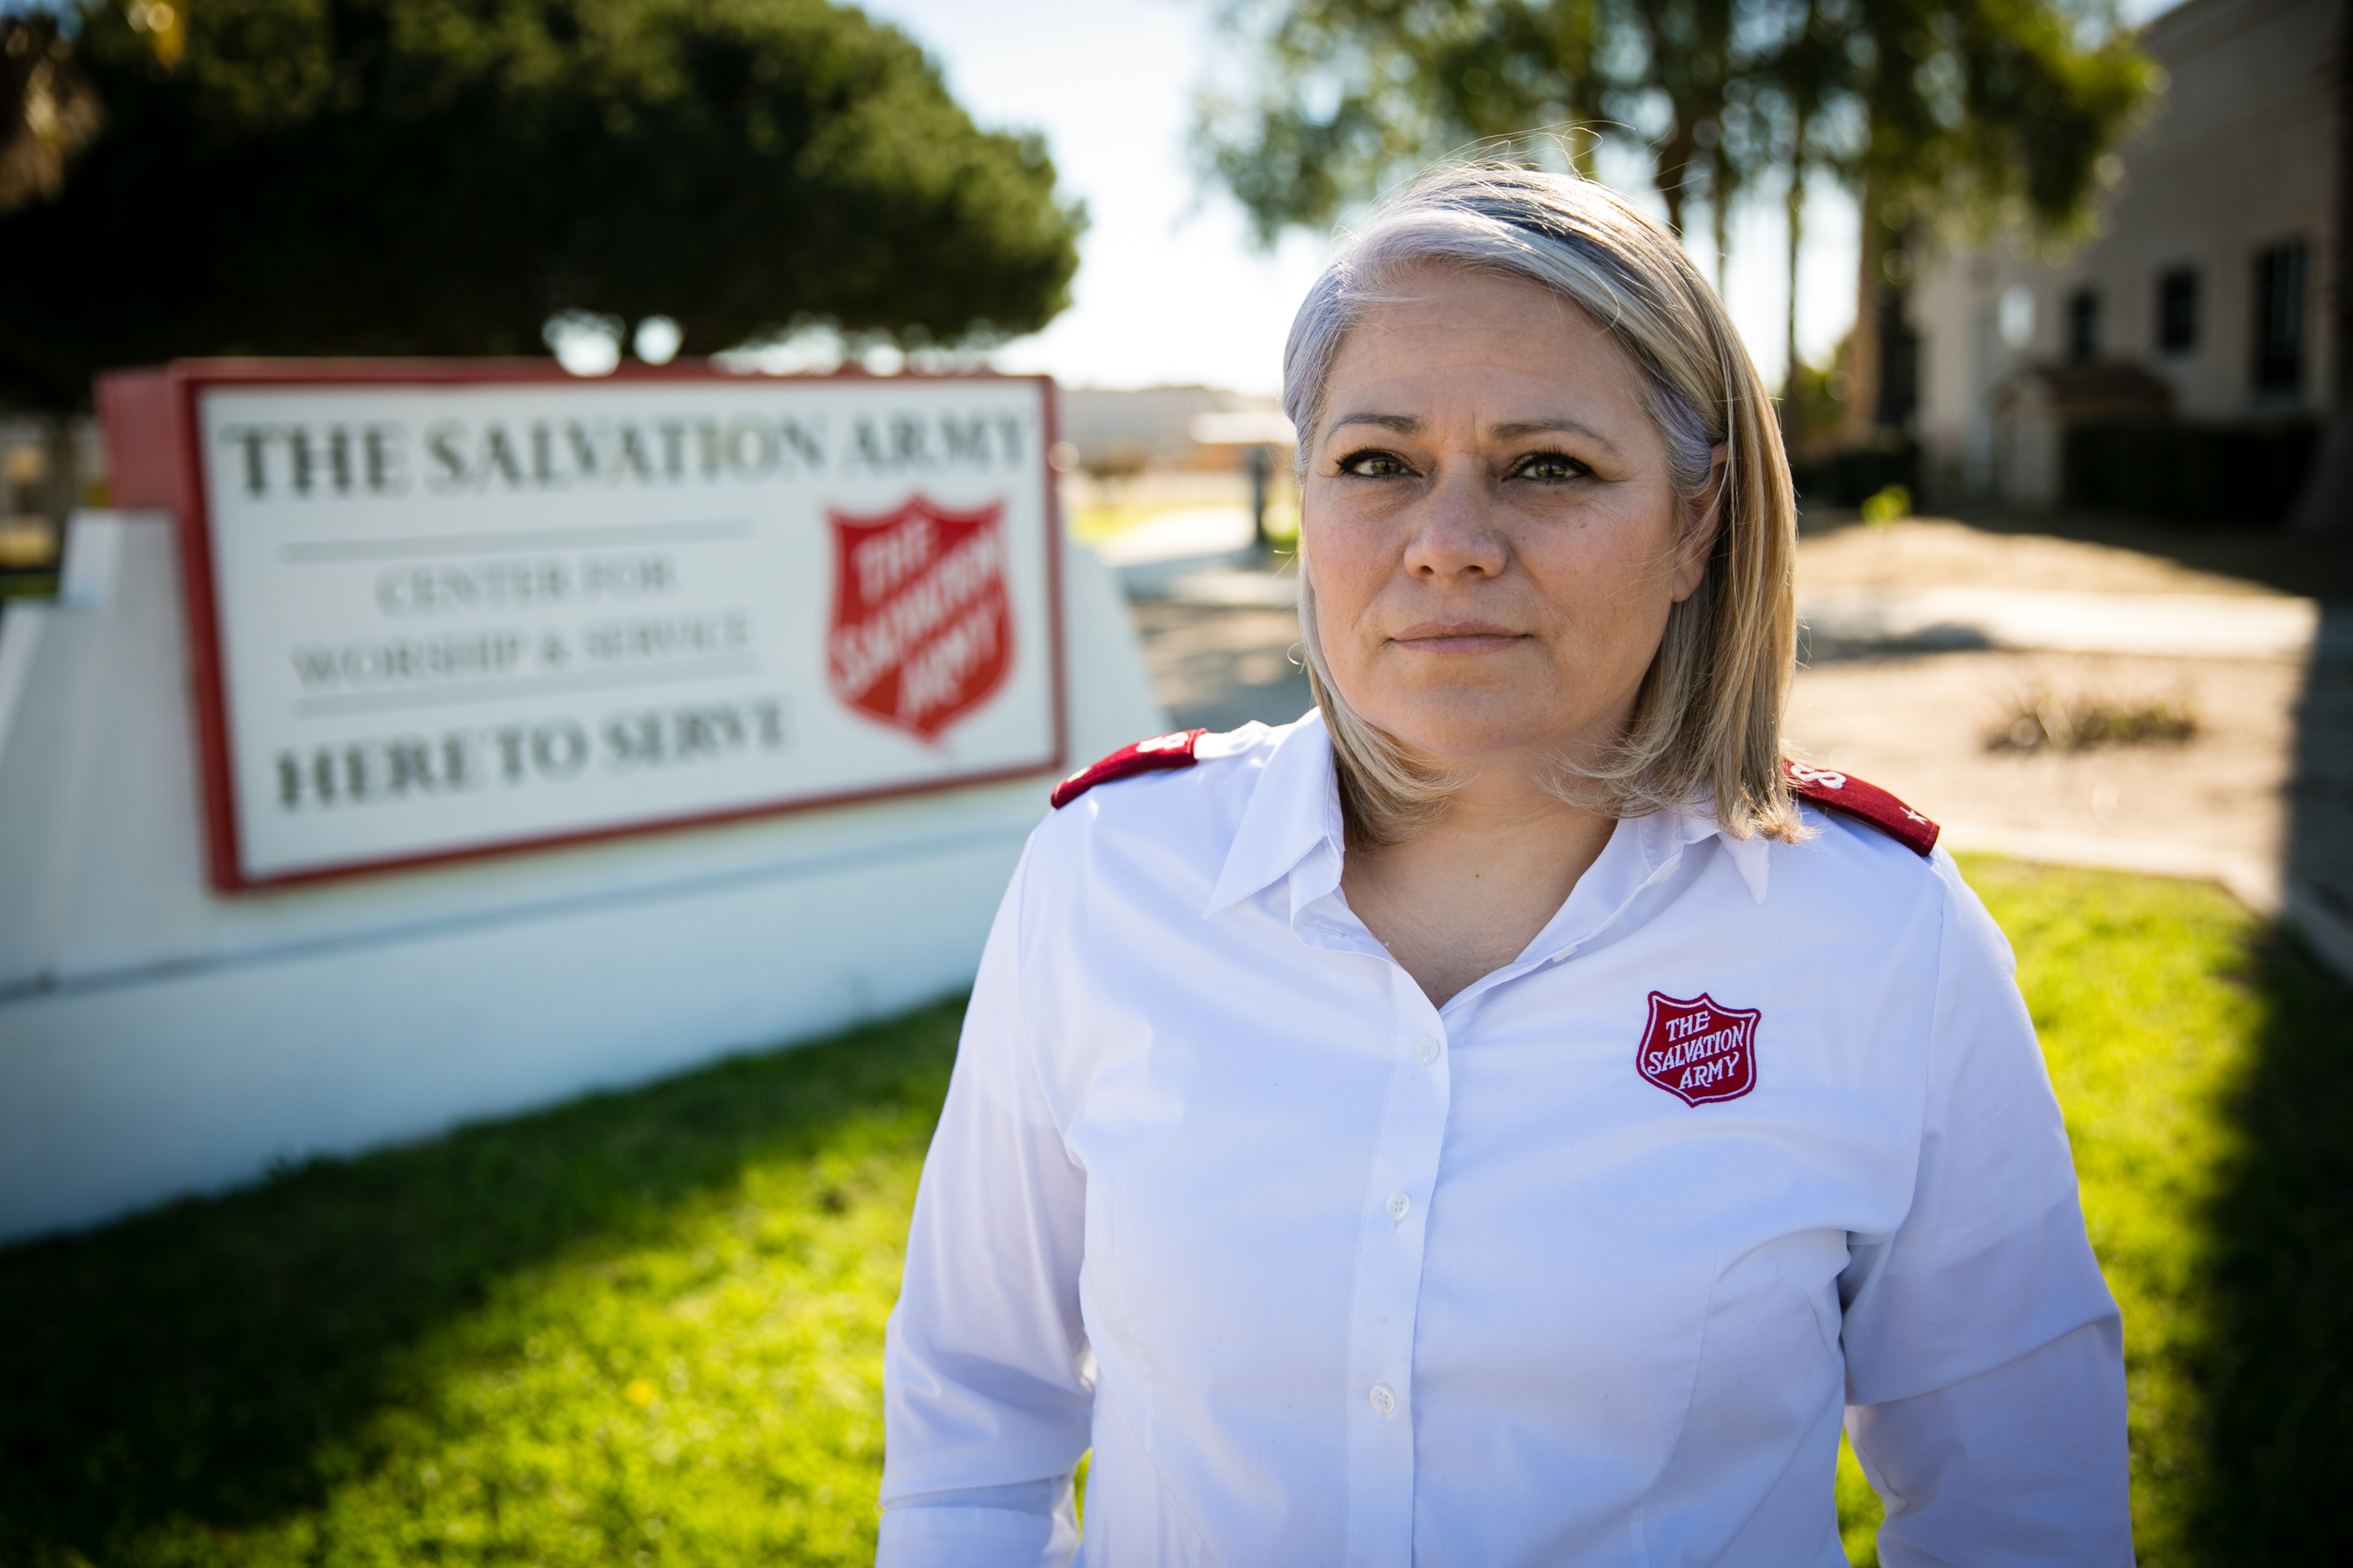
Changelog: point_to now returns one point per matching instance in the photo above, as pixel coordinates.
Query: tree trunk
(1673, 169)
(62, 486)
(1719, 201)
(2327, 505)
(1861, 420)
(1584, 145)
(1793, 411)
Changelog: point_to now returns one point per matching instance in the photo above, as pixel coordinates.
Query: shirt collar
(1294, 812)
(1666, 837)
(1644, 852)
(1751, 856)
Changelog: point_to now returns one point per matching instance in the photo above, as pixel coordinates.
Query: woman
(1494, 1120)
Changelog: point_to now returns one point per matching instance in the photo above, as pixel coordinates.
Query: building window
(2176, 311)
(2279, 318)
(2082, 326)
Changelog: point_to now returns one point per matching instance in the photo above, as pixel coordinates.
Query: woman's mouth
(1456, 638)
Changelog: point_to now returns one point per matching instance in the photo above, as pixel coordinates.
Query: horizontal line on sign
(514, 539)
(535, 686)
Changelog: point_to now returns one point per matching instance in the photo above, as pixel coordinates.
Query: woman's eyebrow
(1513, 430)
(1403, 424)
(1518, 429)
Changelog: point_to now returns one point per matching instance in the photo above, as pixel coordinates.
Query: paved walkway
(2172, 625)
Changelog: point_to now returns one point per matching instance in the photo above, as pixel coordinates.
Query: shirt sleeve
(1990, 1260)
(2025, 1464)
(1982, 1345)
(987, 1382)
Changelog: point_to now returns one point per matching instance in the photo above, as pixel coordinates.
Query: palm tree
(1925, 109)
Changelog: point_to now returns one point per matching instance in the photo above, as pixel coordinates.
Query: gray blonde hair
(1707, 719)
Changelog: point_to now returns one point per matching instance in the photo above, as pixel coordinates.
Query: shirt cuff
(2026, 1464)
(1028, 1524)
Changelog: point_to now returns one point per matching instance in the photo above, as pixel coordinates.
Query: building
(1120, 433)
(2180, 360)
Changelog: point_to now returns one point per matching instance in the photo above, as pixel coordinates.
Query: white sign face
(452, 617)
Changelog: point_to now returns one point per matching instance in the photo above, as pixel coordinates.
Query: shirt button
(1399, 1206)
(1384, 1401)
(1427, 1051)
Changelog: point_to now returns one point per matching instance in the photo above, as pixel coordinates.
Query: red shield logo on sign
(923, 633)
(1698, 1051)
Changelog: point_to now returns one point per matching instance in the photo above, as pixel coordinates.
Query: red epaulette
(1843, 793)
(1143, 757)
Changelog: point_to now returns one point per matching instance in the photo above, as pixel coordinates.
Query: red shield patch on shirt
(1698, 1051)
(923, 633)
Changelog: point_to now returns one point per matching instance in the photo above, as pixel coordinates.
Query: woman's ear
(1704, 517)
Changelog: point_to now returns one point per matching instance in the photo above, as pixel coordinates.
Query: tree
(48, 112)
(1996, 109)
(1976, 113)
(1352, 94)
(441, 176)
(1807, 69)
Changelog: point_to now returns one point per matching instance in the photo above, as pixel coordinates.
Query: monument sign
(444, 610)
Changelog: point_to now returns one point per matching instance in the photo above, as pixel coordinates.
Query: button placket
(1401, 1174)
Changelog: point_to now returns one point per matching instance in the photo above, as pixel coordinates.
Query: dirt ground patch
(2263, 781)
(1920, 726)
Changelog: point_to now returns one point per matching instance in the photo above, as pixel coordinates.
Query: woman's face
(1492, 534)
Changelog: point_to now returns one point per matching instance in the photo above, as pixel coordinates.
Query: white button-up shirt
(1324, 1274)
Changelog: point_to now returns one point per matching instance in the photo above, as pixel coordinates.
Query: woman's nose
(1456, 533)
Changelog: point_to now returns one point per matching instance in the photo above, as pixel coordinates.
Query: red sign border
(153, 461)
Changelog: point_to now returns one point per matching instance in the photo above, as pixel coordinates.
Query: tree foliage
(440, 176)
(2004, 106)
(48, 112)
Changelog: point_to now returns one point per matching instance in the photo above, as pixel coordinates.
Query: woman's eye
(1549, 466)
(1374, 465)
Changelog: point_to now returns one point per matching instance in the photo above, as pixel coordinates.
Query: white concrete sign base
(158, 1037)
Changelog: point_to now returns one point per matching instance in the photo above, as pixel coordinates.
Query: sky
(1171, 290)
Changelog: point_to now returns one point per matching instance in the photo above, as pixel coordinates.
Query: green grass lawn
(2205, 1065)
(642, 1328)
(646, 1328)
